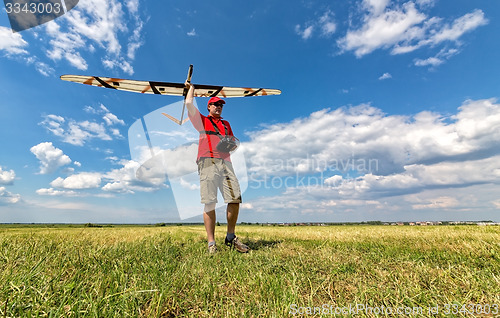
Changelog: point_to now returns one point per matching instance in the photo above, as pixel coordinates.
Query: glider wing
(165, 88)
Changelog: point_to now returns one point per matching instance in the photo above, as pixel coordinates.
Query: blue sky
(389, 109)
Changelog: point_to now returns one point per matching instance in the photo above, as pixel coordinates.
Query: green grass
(134, 271)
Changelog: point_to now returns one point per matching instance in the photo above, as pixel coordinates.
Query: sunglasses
(217, 104)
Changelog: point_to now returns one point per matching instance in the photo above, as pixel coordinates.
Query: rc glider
(165, 88)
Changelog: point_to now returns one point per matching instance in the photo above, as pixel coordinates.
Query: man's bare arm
(189, 99)
(193, 112)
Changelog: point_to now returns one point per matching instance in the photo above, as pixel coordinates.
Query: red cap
(215, 100)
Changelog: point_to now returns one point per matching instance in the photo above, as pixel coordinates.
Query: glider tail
(175, 120)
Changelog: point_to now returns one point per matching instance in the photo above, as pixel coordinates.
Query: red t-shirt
(208, 143)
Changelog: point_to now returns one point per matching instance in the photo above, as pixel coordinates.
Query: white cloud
(125, 66)
(115, 132)
(439, 59)
(7, 197)
(58, 205)
(53, 124)
(94, 23)
(385, 76)
(304, 33)
(15, 47)
(51, 158)
(44, 69)
(467, 199)
(439, 203)
(323, 203)
(169, 162)
(404, 28)
(246, 206)
(84, 180)
(365, 133)
(384, 29)
(133, 6)
(477, 123)
(135, 40)
(125, 180)
(78, 133)
(12, 43)
(433, 61)
(496, 203)
(53, 192)
(65, 46)
(420, 176)
(192, 32)
(187, 185)
(358, 156)
(7, 176)
(92, 129)
(122, 180)
(108, 117)
(314, 202)
(333, 180)
(111, 119)
(325, 24)
(376, 7)
(424, 3)
(460, 26)
(90, 110)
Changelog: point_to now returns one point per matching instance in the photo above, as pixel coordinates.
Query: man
(215, 169)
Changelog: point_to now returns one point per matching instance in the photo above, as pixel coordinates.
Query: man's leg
(231, 239)
(209, 221)
(208, 191)
(233, 210)
(232, 196)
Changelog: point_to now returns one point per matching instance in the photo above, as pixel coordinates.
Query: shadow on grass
(261, 244)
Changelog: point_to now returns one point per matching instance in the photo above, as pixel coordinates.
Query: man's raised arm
(189, 100)
(193, 112)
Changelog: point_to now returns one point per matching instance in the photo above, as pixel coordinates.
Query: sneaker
(212, 249)
(236, 244)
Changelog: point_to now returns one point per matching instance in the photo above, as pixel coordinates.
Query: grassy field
(343, 271)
